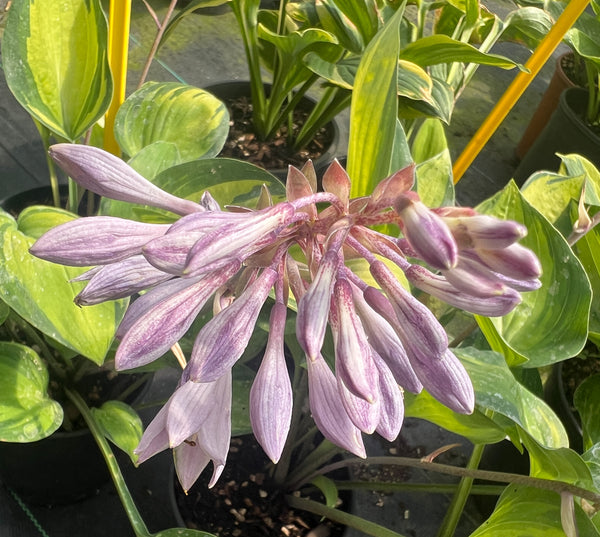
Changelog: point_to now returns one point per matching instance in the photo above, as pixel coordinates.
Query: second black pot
(566, 132)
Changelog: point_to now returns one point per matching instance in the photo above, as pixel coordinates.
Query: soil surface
(242, 142)
(244, 503)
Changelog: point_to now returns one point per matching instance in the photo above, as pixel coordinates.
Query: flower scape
(294, 252)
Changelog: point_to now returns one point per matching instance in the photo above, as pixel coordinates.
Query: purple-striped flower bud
(495, 305)
(483, 231)
(392, 402)
(427, 233)
(386, 343)
(238, 241)
(364, 414)
(447, 380)
(474, 279)
(160, 317)
(169, 253)
(119, 280)
(419, 330)
(516, 261)
(271, 395)
(109, 176)
(328, 412)
(313, 307)
(222, 340)
(95, 240)
(353, 362)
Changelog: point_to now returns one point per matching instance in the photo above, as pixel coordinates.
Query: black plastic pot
(234, 89)
(65, 467)
(42, 195)
(566, 132)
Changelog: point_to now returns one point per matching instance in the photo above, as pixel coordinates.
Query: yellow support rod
(118, 47)
(512, 94)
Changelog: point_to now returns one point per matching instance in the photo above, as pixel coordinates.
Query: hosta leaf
(27, 413)
(437, 49)
(191, 118)
(40, 292)
(497, 389)
(562, 464)
(551, 323)
(373, 109)
(229, 181)
(533, 512)
(478, 428)
(121, 425)
(55, 62)
(587, 403)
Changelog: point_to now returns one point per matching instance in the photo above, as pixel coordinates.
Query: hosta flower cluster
(237, 261)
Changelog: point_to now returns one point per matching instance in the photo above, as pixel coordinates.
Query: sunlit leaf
(27, 413)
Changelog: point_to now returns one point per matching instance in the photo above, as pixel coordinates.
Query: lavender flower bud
(474, 279)
(495, 305)
(120, 280)
(418, 328)
(313, 307)
(516, 261)
(392, 402)
(95, 240)
(353, 362)
(328, 413)
(386, 343)
(238, 241)
(483, 231)
(222, 340)
(427, 233)
(271, 393)
(159, 318)
(109, 176)
(447, 380)
(364, 414)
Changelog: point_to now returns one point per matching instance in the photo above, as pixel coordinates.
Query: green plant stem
(426, 488)
(135, 518)
(353, 521)
(459, 500)
(45, 136)
(488, 475)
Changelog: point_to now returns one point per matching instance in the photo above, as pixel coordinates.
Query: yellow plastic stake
(518, 86)
(118, 47)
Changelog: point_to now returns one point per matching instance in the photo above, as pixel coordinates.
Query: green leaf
(155, 158)
(121, 425)
(182, 532)
(434, 166)
(191, 118)
(533, 512)
(229, 181)
(551, 323)
(55, 62)
(438, 49)
(527, 25)
(592, 459)
(40, 292)
(587, 403)
(374, 109)
(27, 413)
(497, 389)
(328, 488)
(476, 427)
(562, 464)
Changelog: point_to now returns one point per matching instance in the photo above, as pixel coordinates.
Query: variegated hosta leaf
(55, 62)
(40, 292)
(191, 118)
(27, 413)
(229, 181)
(551, 323)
